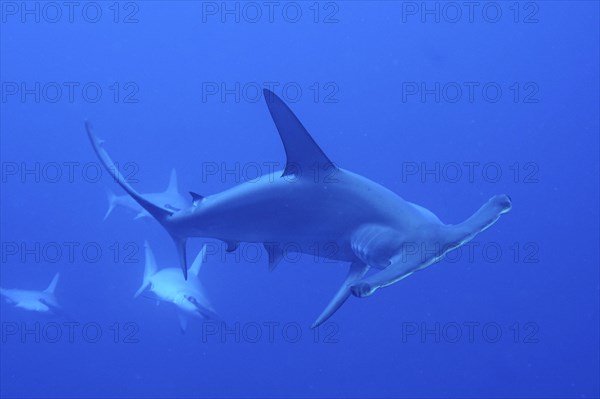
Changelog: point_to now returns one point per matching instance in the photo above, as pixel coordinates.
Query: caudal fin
(155, 210)
(52, 286)
(149, 269)
(160, 213)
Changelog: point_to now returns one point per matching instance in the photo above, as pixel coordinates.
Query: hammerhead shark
(169, 198)
(314, 205)
(37, 301)
(188, 295)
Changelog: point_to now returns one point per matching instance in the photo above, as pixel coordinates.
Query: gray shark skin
(35, 301)
(169, 198)
(168, 286)
(317, 206)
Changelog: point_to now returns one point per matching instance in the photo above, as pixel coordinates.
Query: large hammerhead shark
(313, 205)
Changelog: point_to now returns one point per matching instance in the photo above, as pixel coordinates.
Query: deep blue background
(169, 54)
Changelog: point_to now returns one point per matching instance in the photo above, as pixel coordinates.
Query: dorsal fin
(52, 286)
(303, 154)
(172, 188)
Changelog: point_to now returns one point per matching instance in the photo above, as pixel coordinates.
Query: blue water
(446, 109)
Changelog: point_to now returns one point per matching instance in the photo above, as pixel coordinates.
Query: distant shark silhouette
(315, 205)
(170, 198)
(36, 301)
(188, 295)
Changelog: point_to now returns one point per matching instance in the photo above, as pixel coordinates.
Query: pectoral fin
(356, 272)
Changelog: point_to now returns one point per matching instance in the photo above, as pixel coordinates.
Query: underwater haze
(446, 104)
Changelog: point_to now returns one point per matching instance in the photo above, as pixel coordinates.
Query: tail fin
(112, 202)
(157, 211)
(52, 286)
(161, 214)
(149, 270)
(172, 188)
